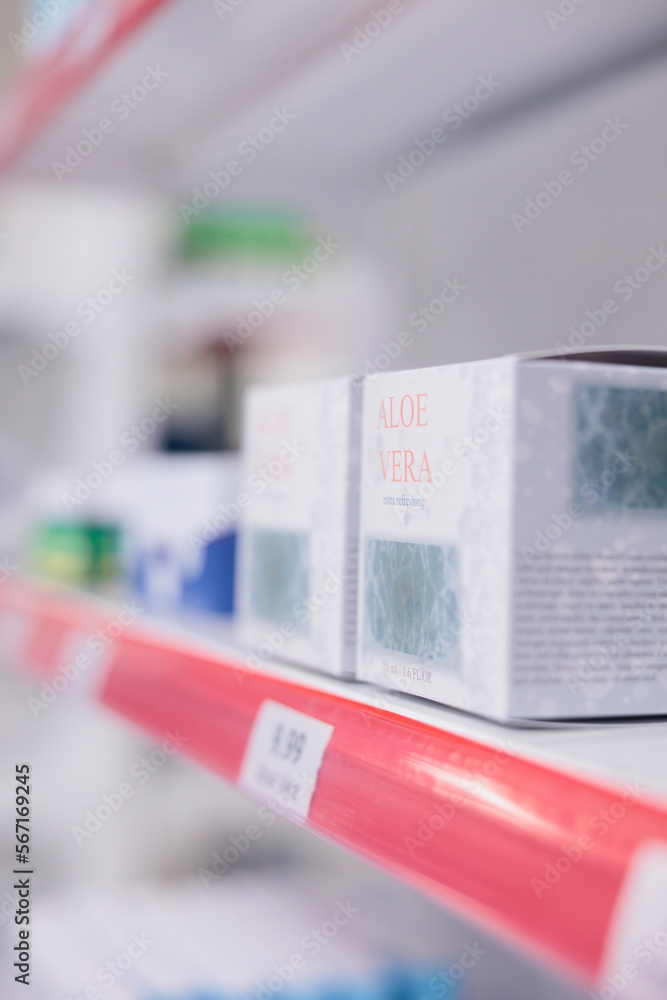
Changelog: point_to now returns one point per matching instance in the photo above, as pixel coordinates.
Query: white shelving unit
(514, 803)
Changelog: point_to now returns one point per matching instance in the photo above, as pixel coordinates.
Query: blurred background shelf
(227, 69)
(467, 811)
(64, 64)
(356, 99)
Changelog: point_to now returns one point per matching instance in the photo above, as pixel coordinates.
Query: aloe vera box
(297, 565)
(513, 536)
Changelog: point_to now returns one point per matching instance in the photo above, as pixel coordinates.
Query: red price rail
(46, 82)
(536, 851)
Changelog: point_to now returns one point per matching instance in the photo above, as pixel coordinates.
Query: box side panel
(590, 553)
(351, 567)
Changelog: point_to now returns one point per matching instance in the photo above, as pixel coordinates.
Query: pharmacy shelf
(55, 76)
(460, 808)
(344, 69)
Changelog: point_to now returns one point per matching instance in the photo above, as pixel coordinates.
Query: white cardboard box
(179, 538)
(297, 565)
(513, 539)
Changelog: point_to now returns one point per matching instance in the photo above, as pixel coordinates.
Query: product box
(176, 511)
(299, 524)
(513, 538)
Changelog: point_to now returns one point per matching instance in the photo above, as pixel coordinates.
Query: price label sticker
(283, 758)
(635, 960)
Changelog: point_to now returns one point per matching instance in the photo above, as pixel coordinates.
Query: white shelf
(354, 113)
(512, 798)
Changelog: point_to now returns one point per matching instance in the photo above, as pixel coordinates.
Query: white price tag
(283, 757)
(635, 962)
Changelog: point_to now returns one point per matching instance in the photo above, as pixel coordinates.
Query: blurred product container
(78, 552)
(262, 294)
(180, 539)
(160, 523)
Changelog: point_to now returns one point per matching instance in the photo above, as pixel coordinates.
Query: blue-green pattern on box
(279, 576)
(410, 598)
(621, 447)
